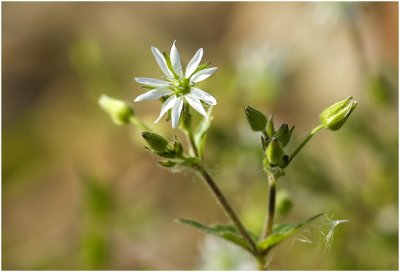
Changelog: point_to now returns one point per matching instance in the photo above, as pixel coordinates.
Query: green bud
(336, 115)
(274, 153)
(156, 142)
(283, 203)
(270, 127)
(256, 119)
(283, 134)
(120, 112)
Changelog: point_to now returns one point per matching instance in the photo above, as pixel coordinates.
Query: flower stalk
(269, 219)
(305, 141)
(230, 213)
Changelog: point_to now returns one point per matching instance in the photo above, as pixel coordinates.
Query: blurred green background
(80, 193)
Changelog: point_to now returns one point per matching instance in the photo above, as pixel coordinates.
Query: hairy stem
(226, 206)
(305, 141)
(269, 218)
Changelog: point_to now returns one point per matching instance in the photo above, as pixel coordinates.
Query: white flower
(178, 86)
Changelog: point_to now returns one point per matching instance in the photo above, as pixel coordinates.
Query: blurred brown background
(81, 193)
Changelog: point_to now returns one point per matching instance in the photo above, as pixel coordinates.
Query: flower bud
(283, 134)
(274, 153)
(119, 111)
(336, 115)
(256, 119)
(156, 142)
(283, 203)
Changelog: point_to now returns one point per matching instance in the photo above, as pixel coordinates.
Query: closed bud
(336, 115)
(256, 119)
(283, 203)
(270, 127)
(274, 153)
(120, 112)
(156, 142)
(283, 134)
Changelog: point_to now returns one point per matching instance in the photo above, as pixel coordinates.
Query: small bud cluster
(173, 151)
(273, 141)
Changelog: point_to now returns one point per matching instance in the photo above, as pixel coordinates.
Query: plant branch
(139, 124)
(192, 143)
(269, 218)
(305, 141)
(226, 206)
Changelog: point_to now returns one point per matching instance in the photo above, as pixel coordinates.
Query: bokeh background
(79, 192)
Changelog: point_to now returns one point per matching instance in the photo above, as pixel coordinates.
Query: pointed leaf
(226, 232)
(281, 232)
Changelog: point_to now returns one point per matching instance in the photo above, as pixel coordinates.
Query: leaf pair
(279, 233)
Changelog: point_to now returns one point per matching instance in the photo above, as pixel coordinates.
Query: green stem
(269, 218)
(305, 141)
(226, 206)
(262, 265)
(139, 124)
(192, 143)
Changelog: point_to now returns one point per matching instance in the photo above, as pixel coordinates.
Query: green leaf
(200, 134)
(226, 232)
(281, 232)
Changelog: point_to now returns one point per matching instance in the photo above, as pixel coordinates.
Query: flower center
(181, 86)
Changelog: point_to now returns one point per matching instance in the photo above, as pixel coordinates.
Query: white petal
(203, 74)
(152, 82)
(153, 94)
(175, 60)
(202, 95)
(176, 112)
(166, 106)
(194, 62)
(161, 62)
(196, 104)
